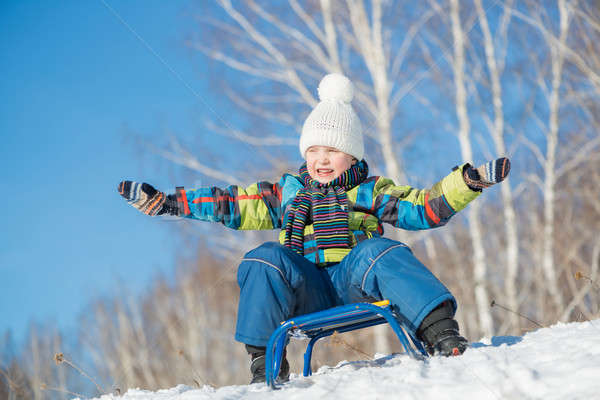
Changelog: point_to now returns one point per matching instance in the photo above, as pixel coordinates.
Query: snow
(559, 362)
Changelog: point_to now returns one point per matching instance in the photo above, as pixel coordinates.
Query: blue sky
(74, 81)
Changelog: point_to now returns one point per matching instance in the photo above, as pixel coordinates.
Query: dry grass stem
(495, 304)
(43, 386)
(184, 355)
(337, 340)
(60, 358)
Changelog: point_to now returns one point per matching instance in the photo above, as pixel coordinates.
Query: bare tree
(495, 125)
(452, 60)
(555, 159)
(298, 51)
(289, 47)
(482, 297)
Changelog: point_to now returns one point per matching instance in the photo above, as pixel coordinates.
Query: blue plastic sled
(325, 323)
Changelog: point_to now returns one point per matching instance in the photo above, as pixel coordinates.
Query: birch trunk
(482, 299)
(371, 45)
(126, 359)
(36, 365)
(550, 165)
(510, 220)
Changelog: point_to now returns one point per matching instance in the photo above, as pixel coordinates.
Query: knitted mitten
(147, 199)
(486, 175)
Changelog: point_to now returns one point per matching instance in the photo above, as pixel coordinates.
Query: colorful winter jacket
(376, 200)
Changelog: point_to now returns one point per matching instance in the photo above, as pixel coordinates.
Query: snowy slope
(560, 362)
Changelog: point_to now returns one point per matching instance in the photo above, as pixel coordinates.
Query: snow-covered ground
(560, 362)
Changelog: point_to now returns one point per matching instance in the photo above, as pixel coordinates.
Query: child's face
(324, 163)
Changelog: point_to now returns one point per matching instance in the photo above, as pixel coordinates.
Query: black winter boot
(258, 366)
(439, 332)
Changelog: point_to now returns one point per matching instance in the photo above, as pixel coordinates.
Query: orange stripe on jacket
(429, 211)
(183, 199)
(240, 197)
(276, 192)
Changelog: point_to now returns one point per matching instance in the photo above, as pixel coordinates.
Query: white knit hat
(333, 122)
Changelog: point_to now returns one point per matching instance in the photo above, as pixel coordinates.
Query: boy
(331, 250)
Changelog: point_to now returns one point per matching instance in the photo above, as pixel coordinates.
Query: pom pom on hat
(336, 87)
(333, 122)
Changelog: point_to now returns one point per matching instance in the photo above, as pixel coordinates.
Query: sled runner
(325, 323)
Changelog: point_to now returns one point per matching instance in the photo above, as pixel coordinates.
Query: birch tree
(284, 50)
(495, 124)
(298, 53)
(550, 163)
(295, 55)
(453, 60)
(482, 297)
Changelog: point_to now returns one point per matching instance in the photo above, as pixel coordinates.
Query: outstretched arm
(413, 209)
(255, 207)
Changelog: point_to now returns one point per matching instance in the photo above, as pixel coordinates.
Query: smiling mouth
(324, 171)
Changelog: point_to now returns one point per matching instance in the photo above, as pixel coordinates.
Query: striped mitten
(143, 197)
(486, 175)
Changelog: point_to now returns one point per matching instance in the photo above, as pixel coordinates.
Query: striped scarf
(329, 205)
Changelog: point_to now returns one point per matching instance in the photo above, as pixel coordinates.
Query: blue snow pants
(277, 284)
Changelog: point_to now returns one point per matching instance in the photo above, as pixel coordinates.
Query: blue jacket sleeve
(255, 207)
